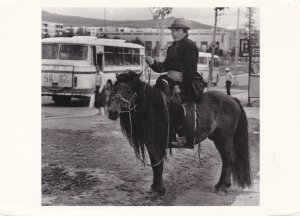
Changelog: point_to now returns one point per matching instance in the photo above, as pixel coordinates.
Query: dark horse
(144, 120)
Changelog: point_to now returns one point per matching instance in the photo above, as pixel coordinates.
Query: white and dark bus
(203, 66)
(68, 65)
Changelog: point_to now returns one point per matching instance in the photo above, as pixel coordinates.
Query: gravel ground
(87, 161)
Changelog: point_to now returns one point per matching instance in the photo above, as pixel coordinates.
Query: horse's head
(123, 95)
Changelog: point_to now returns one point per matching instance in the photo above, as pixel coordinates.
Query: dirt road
(87, 161)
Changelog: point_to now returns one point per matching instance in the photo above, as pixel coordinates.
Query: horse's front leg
(158, 183)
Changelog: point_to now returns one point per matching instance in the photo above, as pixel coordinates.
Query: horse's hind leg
(227, 154)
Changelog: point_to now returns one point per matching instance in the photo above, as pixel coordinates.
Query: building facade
(51, 29)
(150, 38)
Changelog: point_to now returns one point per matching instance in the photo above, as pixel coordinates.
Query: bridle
(131, 106)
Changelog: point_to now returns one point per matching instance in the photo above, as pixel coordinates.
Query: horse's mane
(149, 122)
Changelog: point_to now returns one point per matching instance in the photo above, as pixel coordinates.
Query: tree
(218, 11)
(250, 25)
(159, 14)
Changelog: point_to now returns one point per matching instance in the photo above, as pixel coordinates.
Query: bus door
(100, 60)
(97, 57)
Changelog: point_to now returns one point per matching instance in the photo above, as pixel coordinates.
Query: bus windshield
(73, 52)
(49, 51)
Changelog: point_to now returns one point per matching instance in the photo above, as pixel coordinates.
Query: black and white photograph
(154, 108)
(150, 106)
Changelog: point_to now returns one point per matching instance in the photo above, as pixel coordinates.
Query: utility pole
(105, 21)
(236, 46)
(212, 62)
(161, 38)
(250, 52)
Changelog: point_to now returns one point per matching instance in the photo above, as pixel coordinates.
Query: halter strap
(128, 103)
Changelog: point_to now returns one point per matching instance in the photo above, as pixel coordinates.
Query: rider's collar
(178, 43)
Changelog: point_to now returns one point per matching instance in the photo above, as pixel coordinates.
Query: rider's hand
(149, 60)
(176, 89)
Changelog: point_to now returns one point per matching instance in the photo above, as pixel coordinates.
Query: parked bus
(68, 64)
(204, 62)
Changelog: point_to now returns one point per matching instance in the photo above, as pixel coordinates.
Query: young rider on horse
(181, 67)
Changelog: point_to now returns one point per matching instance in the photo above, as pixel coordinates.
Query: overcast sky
(202, 15)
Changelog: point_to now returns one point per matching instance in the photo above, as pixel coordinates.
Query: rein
(130, 106)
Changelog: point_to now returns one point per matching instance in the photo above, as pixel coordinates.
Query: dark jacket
(181, 56)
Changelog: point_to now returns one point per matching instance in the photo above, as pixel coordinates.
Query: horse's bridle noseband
(130, 104)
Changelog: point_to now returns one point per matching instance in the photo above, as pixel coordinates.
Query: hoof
(224, 189)
(215, 190)
(160, 190)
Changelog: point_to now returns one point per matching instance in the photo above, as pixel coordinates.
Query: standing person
(100, 94)
(228, 80)
(181, 67)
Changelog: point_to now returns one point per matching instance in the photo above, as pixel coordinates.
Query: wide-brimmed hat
(227, 69)
(179, 23)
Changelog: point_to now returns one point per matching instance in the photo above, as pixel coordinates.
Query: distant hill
(69, 21)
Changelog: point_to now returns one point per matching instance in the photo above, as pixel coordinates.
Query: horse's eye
(129, 91)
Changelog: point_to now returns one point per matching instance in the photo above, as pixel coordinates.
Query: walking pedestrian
(228, 80)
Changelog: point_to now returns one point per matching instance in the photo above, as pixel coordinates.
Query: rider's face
(177, 34)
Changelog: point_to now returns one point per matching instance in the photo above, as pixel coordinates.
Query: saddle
(189, 116)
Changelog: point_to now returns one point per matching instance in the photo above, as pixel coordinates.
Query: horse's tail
(241, 169)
